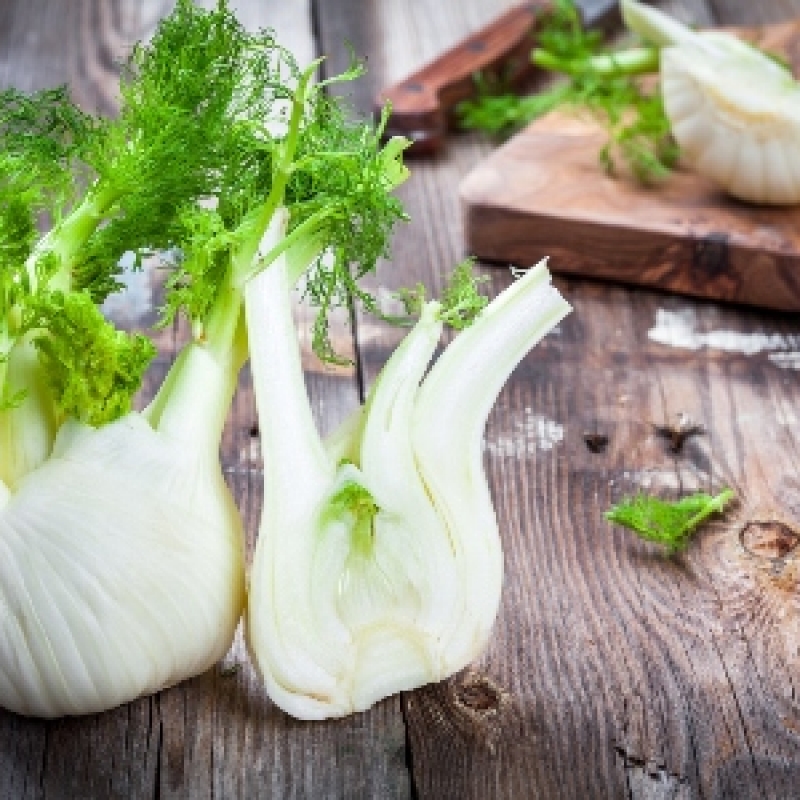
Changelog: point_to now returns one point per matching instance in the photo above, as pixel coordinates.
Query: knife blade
(422, 104)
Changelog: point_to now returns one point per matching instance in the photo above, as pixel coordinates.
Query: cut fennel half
(378, 565)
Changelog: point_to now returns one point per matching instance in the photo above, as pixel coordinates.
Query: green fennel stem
(193, 402)
(244, 258)
(715, 506)
(27, 430)
(69, 235)
(304, 231)
(637, 61)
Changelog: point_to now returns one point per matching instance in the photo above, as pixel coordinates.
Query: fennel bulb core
(378, 564)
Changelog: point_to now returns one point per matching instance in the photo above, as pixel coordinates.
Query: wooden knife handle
(422, 103)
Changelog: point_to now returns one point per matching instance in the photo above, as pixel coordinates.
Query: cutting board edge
(709, 267)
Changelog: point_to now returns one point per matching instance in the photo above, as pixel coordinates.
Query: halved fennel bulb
(121, 558)
(378, 565)
(734, 112)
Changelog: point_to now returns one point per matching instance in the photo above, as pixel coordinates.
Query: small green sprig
(461, 300)
(668, 523)
(92, 368)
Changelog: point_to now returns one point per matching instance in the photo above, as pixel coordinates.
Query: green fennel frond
(331, 172)
(500, 113)
(48, 134)
(461, 300)
(20, 199)
(92, 368)
(187, 98)
(196, 271)
(669, 523)
(562, 33)
(341, 190)
(412, 298)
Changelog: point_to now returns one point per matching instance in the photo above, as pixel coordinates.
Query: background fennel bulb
(378, 564)
(734, 112)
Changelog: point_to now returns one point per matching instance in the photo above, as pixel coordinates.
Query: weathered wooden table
(613, 671)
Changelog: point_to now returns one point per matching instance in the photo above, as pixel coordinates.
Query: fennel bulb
(734, 112)
(378, 564)
(122, 555)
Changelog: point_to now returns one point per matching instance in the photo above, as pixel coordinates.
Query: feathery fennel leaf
(669, 523)
(93, 369)
(302, 151)
(461, 300)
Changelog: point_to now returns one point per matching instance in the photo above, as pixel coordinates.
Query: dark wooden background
(613, 671)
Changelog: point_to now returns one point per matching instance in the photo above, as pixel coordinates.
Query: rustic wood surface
(542, 193)
(613, 672)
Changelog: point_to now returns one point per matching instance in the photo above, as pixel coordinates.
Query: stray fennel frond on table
(670, 523)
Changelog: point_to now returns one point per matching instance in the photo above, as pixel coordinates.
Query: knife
(422, 104)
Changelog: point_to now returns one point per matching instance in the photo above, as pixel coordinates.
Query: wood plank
(217, 735)
(613, 672)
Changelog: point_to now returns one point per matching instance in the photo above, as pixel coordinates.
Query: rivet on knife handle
(422, 103)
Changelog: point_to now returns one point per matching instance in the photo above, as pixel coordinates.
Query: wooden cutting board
(543, 193)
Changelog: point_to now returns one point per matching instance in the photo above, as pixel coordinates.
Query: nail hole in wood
(254, 431)
(413, 86)
(769, 539)
(677, 433)
(596, 442)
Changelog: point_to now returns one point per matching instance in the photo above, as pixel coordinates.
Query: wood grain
(544, 193)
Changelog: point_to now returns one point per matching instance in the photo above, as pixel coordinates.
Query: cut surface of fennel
(378, 565)
(734, 112)
(122, 554)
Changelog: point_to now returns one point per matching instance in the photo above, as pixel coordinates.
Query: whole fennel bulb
(121, 551)
(378, 565)
(122, 555)
(734, 112)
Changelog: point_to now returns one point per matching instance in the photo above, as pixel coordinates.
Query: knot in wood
(711, 255)
(769, 539)
(478, 694)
